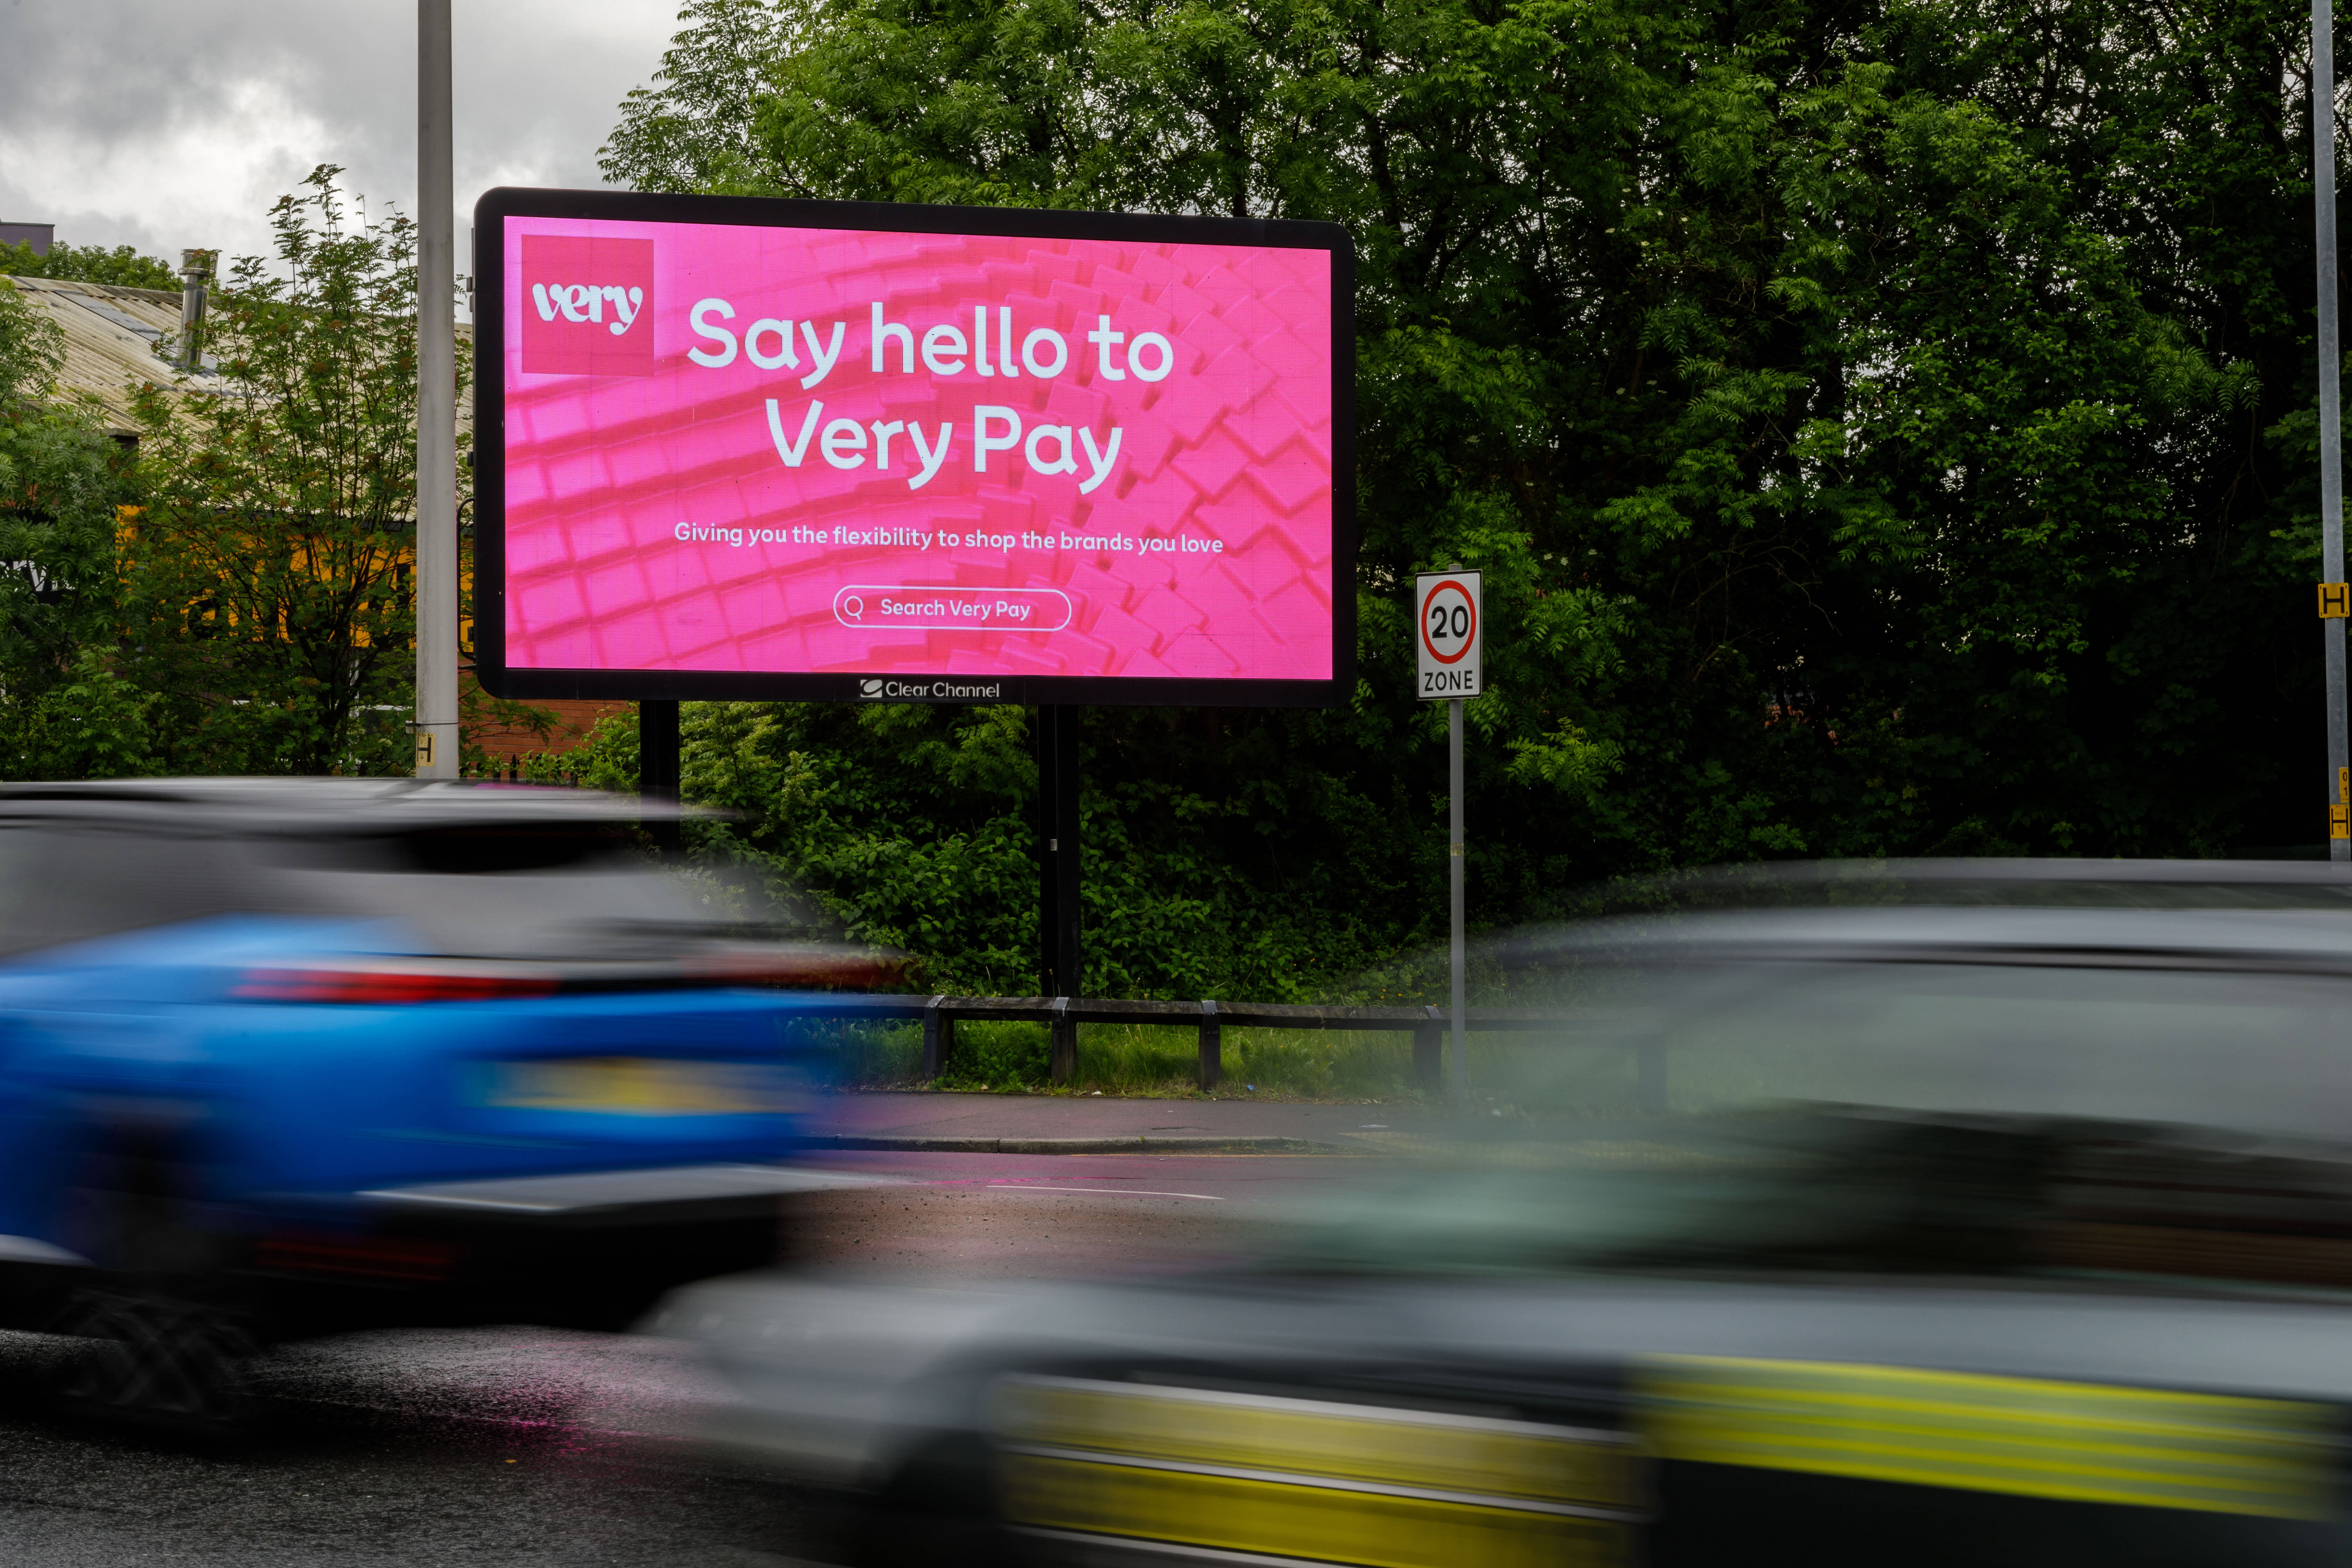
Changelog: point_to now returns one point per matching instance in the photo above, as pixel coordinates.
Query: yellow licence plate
(635, 1086)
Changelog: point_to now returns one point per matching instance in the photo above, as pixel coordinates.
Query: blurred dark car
(279, 1057)
(1947, 1214)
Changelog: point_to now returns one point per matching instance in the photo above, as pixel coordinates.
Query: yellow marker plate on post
(2076, 1441)
(2335, 601)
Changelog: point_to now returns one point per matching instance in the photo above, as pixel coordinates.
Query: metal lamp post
(2335, 601)
(437, 404)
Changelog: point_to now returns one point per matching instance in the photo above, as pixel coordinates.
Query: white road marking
(1116, 1191)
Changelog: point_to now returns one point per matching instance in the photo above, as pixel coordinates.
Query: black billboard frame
(499, 679)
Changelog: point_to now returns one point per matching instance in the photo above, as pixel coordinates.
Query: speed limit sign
(1449, 634)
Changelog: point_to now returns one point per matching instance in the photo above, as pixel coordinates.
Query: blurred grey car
(1941, 1213)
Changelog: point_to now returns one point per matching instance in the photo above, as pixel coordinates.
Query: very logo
(582, 327)
(585, 302)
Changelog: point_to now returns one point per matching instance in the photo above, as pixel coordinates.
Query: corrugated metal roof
(110, 336)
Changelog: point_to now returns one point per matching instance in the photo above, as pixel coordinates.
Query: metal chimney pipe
(195, 271)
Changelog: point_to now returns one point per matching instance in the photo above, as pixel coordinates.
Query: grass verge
(1132, 1059)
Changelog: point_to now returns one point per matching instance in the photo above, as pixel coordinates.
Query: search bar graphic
(889, 607)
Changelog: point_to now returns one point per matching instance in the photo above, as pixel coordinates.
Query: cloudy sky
(162, 124)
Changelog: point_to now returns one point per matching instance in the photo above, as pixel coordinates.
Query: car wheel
(160, 1362)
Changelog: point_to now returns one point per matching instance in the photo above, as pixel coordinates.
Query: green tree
(267, 580)
(1886, 424)
(62, 481)
(123, 266)
(693, 128)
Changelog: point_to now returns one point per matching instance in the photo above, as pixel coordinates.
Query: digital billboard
(738, 447)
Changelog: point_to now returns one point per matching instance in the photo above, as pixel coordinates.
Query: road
(513, 1446)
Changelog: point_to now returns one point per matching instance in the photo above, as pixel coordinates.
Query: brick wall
(574, 718)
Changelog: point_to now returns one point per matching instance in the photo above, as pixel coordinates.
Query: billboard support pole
(435, 720)
(657, 765)
(1059, 964)
(2331, 425)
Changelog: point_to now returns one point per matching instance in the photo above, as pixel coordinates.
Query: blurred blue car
(286, 1057)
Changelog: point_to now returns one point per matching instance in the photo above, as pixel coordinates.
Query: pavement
(950, 1121)
(1051, 1216)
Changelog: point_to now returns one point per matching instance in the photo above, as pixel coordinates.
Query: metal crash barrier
(1063, 1014)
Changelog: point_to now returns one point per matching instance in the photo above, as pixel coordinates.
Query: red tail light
(379, 987)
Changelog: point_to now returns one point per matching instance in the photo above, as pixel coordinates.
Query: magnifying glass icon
(853, 607)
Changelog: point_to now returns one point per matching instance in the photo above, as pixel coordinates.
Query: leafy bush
(93, 724)
(912, 827)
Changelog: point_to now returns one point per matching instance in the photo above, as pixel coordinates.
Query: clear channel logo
(874, 688)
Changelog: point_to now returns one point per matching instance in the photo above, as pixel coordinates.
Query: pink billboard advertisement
(807, 449)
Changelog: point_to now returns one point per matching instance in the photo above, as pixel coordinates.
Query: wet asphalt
(520, 1447)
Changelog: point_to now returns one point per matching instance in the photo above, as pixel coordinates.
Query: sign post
(1450, 642)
